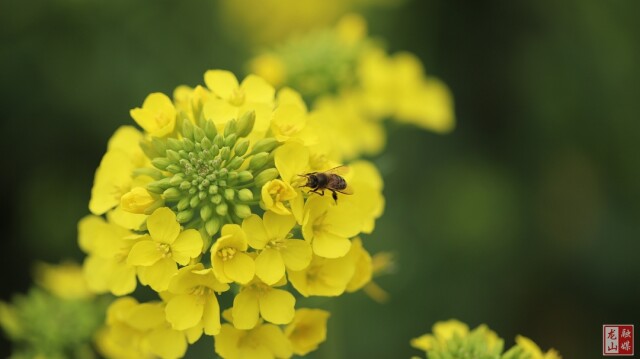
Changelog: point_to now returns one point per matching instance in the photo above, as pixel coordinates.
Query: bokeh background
(526, 217)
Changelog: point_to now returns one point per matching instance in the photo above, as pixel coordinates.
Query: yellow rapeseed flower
(307, 330)
(193, 304)
(157, 254)
(533, 350)
(64, 280)
(107, 245)
(264, 341)
(271, 236)
(228, 257)
(157, 115)
(257, 299)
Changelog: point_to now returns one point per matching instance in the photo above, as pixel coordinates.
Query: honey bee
(330, 180)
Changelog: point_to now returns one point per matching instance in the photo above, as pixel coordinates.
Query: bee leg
(335, 196)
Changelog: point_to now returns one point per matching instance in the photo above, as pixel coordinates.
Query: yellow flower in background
(396, 86)
(363, 267)
(157, 254)
(307, 330)
(453, 339)
(263, 341)
(234, 99)
(136, 330)
(228, 257)
(157, 115)
(193, 303)
(270, 235)
(107, 245)
(533, 350)
(258, 300)
(113, 177)
(64, 280)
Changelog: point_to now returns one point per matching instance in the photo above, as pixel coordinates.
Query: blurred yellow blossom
(307, 330)
(64, 280)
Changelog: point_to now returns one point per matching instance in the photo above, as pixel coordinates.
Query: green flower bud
(174, 168)
(174, 144)
(183, 203)
(245, 176)
(216, 199)
(258, 160)
(222, 209)
(198, 134)
(185, 185)
(245, 195)
(194, 202)
(188, 144)
(161, 163)
(205, 212)
(210, 129)
(225, 153)
(172, 194)
(245, 123)
(212, 226)
(265, 145)
(159, 145)
(184, 216)
(218, 141)
(241, 147)
(230, 140)
(242, 210)
(176, 180)
(187, 128)
(206, 143)
(229, 194)
(230, 128)
(266, 176)
(235, 163)
(213, 189)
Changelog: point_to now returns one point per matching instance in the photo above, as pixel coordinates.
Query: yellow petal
(297, 254)
(269, 266)
(144, 253)
(122, 279)
(291, 160)
(256, 89)
(194, 333)
(163, 226)
(288, 96)
(240, 268)
(222, 83)
(167, 343)
(157, 115)
(272, 337)
(329, 245)
(145, 316)
(245, 310)
(184, 311)
(188, 245)
(211, 315)
(219, 111)
(159, 274)
(308, 329)
(112, 180)
(278, 226)
(256, 233)
(226, 343)
(277, 306)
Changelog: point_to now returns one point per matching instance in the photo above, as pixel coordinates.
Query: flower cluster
(33, 321)
(453, 339)
(209, 206)
(344, 70)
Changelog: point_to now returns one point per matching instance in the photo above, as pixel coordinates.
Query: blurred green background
(526, 217)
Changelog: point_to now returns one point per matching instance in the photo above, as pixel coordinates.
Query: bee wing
(340, 170)
(348, 190)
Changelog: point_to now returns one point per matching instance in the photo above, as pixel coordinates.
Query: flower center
(227, 253)
(237, 97)
(208, 178)
(278, 244)
(164, 249)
